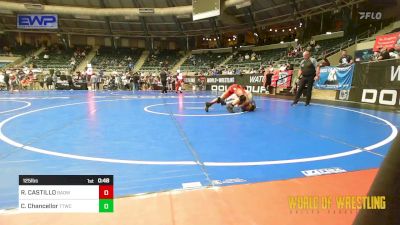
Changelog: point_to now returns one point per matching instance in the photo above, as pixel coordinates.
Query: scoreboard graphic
(66, 193)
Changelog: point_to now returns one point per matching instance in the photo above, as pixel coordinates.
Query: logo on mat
(318, 172)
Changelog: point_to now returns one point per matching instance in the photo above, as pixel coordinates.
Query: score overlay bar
(66, 193)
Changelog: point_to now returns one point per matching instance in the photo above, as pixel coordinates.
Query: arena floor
(152, 142)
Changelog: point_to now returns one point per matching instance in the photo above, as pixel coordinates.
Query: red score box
(106, 192)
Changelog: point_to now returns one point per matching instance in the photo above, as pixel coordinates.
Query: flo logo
(370, 15)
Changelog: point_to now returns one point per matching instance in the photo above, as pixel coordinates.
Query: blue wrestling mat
(152, 142)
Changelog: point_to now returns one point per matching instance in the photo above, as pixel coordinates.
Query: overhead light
(282, 42)
(184, 16)
(33, 6)
(301, 24)
(283, 30)
(296, 40)
(295, 28)
(204, 39)
(243, 5)
(133, 18)
(255, 34)
(84, 17)
(270, 29)
(5, 11)
(229, 39)
(276, 30)
(146, 10)
(215, 39)
(290, 29)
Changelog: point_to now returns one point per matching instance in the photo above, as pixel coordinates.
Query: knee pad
(221, 100)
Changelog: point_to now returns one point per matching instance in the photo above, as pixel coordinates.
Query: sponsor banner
(284, 78)
(252, 82)
(377, 83)
(335, 78)
(222, 79)
(37, 21)
(388, 40)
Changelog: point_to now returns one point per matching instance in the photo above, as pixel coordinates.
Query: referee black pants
(164, 86)
(309, 81)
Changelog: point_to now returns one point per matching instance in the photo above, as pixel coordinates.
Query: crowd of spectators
(120, 59)
(386, 53)
(58, 56)
(17, 50)
(161, 58)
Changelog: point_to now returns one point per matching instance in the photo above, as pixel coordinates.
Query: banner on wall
(335, 78)
(377, 83)
(37, 21)
(388, 41)
(282, 78)
(252, 82)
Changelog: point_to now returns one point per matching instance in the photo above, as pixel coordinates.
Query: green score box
(106, 205)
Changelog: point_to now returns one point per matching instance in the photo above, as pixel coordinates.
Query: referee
(309, 71)
(163, 76)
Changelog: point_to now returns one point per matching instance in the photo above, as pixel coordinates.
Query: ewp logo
(37, 21)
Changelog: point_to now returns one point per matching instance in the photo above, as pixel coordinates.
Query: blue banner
(335, 78)
(37, 21)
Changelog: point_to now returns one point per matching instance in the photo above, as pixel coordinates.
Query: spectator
(384, 54)
(317, 47)
(312, 43)
(375, 56)
(324, 62)
(345, 59)
(49, 82)
(93, 82)
(7, 80)
(268, 73)
(393, 54)
(55, 78)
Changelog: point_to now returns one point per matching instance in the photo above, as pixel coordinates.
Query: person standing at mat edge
(163, 76)
(309, 72)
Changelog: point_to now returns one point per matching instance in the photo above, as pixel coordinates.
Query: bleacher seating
(59, 57)
(3, 64)
(202, 62)
(111, 59)
(256, 58)
(160, 58)
(18, 50)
